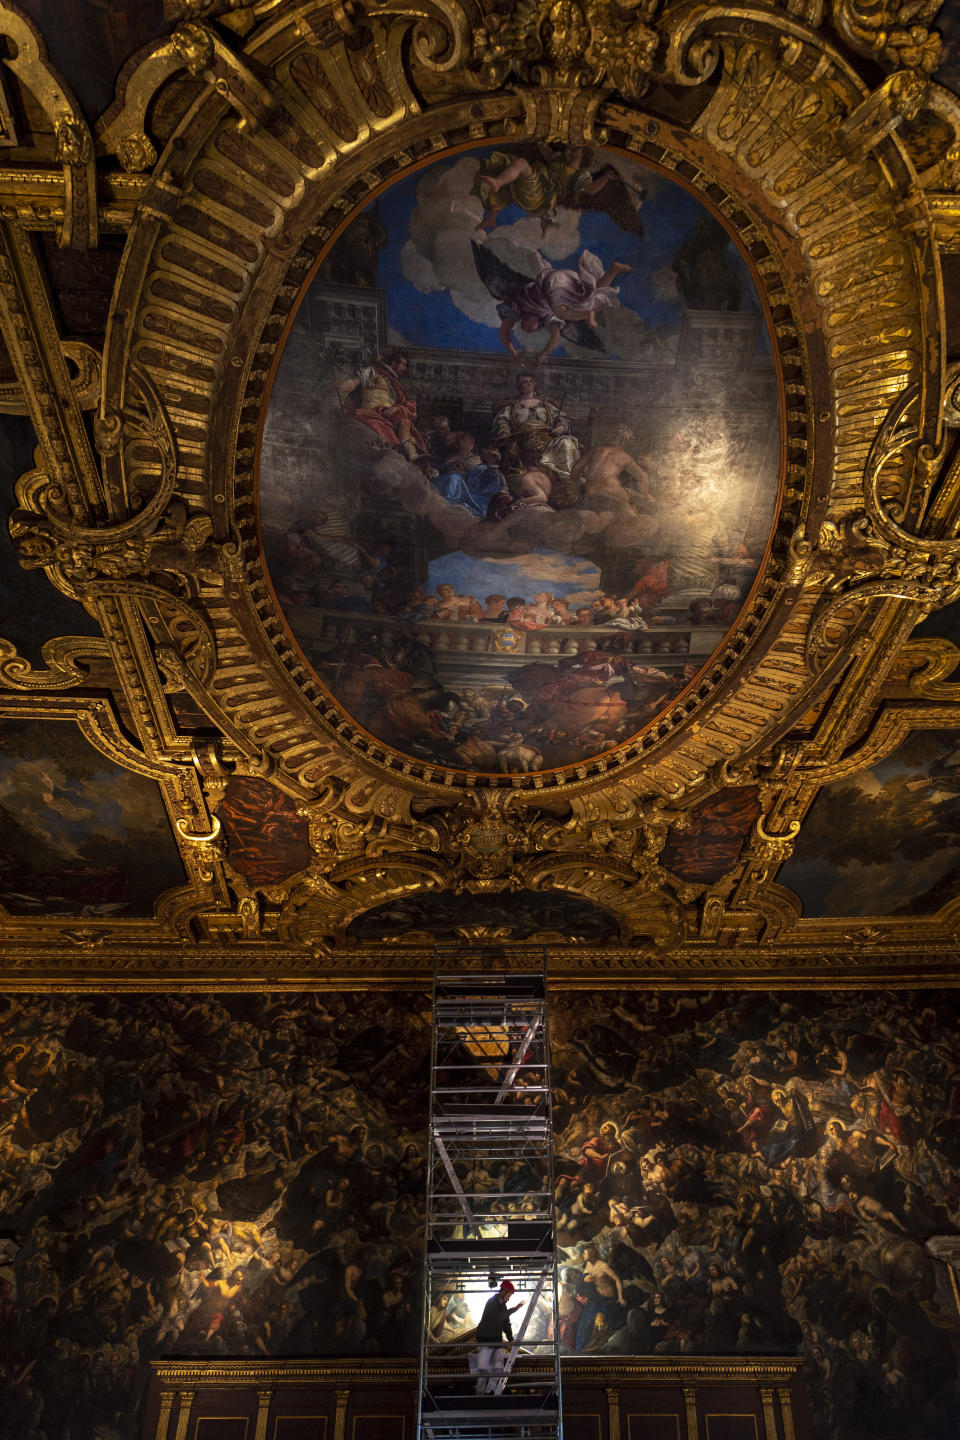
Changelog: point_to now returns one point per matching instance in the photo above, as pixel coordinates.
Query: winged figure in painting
(543, 179)
(564, 303)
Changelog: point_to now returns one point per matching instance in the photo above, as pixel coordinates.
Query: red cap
(506, 1288)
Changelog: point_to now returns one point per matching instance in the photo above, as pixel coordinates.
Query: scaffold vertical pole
(490, 1202)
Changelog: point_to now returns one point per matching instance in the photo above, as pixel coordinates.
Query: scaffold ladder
(490, 1202)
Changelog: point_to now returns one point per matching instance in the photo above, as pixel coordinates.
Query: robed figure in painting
(529, 429)
(562, 302)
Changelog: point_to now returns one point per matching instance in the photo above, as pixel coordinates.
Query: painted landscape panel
(522, 456)
(81, 835)
(909, 805)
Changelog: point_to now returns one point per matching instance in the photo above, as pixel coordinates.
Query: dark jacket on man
(495, 1322)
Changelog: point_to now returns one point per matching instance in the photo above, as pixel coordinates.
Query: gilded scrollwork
(281, 121)
(27, 58)
(895, 33)
(565, 43)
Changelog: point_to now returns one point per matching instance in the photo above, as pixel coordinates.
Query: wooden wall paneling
(731, 1426)
(379, 1427)
(299, 1427)
(652, 1424)
(583, 1426)
(221, 1427)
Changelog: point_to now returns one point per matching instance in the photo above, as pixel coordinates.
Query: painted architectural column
(769, 1414)
(613, 1412)
(183, 1419)
(264, 1397)
(786, 1413)
(163, 1419)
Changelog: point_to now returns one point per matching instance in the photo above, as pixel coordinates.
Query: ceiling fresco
(511, 565)
(472, 473)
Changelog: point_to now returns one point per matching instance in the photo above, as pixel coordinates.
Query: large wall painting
(756, 1173)
(80, 835)
(887, 840)
(202, 1176)
(522, 455)
(220, 1175)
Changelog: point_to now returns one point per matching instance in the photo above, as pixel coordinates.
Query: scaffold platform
(490, 1204)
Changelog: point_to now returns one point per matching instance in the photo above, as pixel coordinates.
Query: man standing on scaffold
(493, 1329)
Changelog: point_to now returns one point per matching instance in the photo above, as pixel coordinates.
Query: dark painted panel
(31, 610)
(584, 1427)
(381, 1427)
(221, 1427)
(300, 1427)
(653, 1425)
(731, 1427)
(89, 40)
(885, 841)
(79, 834)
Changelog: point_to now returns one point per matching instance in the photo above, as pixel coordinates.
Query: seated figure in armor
(382, 403)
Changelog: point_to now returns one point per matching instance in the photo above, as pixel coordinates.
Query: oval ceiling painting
(521, 458)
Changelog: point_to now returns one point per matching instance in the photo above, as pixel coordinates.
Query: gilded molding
(30, 63)
(346, 1373)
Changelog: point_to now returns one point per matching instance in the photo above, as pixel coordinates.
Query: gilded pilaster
(163, 1419)
(613, 1412)
(786, 1413)
(690, 1405)
(264, 1396)
(183, 1419)
(769, 1414)
(340, 1417)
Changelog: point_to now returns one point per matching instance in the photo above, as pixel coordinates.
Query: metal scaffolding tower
(490, 1207)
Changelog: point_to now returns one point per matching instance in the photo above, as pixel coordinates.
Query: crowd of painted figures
(237, 1176)
(758, 1173)
(197, 1176)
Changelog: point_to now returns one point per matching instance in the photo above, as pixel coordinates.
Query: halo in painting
(521, 458)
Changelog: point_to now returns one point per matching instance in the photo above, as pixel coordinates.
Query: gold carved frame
(234, 153)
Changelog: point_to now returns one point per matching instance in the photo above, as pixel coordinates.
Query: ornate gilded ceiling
(221, 766)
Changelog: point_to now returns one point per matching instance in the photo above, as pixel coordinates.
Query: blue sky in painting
(669, 215)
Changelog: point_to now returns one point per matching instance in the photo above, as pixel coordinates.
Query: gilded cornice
(666, 1370)
(278, 120)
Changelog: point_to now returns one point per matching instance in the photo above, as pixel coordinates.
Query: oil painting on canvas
(909, 805)
(521, 457)
(81, 835)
